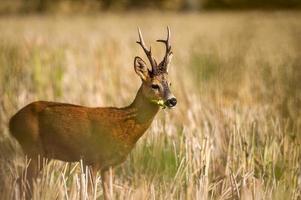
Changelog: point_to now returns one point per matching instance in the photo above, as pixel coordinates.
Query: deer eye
(155, 87)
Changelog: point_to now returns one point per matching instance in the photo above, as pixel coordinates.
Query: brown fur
(101, 137)
(67, 132)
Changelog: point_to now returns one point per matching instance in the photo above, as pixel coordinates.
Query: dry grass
(235, 133)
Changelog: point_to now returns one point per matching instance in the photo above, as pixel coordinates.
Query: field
(235, 133)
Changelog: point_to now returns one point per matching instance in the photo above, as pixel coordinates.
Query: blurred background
(236, 71)
(53, 6)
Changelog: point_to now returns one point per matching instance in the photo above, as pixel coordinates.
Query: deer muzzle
(171, 102)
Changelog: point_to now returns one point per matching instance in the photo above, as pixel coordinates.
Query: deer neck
(145, 109)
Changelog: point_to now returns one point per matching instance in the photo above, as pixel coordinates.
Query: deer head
(155, 84)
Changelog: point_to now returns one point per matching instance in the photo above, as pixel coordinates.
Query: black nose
(171, 102)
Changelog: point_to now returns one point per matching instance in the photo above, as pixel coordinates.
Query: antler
(168, 54)
(147, 52)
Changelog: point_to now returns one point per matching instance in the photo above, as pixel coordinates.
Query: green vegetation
(96, 6)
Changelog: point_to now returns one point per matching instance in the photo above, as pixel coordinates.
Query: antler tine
(166, 42)
(167, 58)
(147, 52)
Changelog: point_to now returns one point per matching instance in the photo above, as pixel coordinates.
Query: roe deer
(103, 136)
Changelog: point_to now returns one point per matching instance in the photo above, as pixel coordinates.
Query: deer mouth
(170, 103)
(159, 103)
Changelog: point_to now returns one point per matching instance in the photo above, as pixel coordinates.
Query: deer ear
(141, 68)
